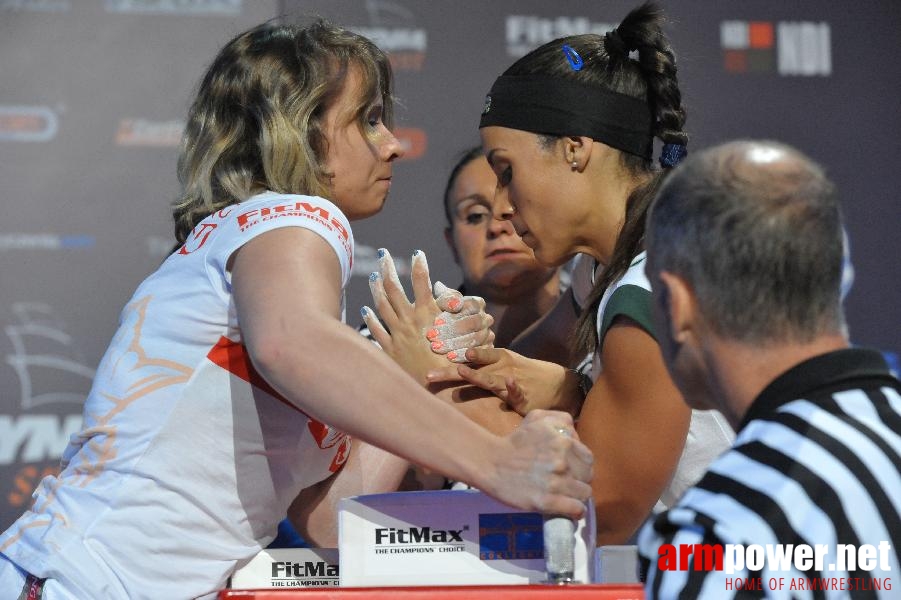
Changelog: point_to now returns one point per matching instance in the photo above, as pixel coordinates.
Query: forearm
(287, 291)
(479, 405)
(356, 388)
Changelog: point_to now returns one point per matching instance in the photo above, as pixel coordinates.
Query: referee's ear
(677, 302)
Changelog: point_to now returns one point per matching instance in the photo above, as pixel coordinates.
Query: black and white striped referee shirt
(816, 462)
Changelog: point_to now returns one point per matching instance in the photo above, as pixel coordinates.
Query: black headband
(557, 106)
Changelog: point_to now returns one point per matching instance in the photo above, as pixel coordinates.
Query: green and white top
(709, 434)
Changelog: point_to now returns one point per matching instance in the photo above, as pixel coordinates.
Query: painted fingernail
(373, 276)
(381, 253)
(432, 334)
(416, 252)
(451, 355)
(437, 345)
(453, 303)
(364, 312)
(439, 322)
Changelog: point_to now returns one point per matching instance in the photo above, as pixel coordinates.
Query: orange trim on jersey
(15, 538)
(233, 357)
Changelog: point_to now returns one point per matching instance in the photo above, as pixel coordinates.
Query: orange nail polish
(432, 334)
(437, 345)
(451, 355)
(439, 321)
(453, 303)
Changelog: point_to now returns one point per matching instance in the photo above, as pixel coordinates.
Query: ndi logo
(526, 32)
(790, 48)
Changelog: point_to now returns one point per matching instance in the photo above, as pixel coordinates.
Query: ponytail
(640, 96)
(640, 31)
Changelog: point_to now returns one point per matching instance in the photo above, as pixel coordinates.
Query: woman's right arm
(633, 418)
(636, 421)
(286, 286)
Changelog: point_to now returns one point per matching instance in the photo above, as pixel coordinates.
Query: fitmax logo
(526, 32)
(416, 535)
(304, 569)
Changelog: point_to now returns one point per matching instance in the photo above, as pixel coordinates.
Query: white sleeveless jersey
(187, 459)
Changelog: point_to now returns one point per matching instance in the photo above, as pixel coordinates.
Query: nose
(499, 227)
(391, 148)
(502, 206)
(518, 224)
(504, 211)
(501, 214)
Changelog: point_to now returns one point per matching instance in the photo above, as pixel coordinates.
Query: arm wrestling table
(475, 592)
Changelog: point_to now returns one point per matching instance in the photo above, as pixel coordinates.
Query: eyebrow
(477, 198)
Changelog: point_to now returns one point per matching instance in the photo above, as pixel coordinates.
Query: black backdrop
(93, 94)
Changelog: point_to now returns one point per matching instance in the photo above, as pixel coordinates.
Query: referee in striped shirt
(745, 258)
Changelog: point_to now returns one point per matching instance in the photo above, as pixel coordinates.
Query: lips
(504, 252)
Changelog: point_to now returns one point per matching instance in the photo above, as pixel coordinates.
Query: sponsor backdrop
(94, 94)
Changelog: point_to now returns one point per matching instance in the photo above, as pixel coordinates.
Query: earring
(575, 164)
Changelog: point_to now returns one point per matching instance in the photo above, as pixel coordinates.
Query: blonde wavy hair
(255, 123)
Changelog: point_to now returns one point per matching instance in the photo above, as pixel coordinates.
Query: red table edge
(473, 592)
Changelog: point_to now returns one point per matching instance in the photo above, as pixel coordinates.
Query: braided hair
(607, 62)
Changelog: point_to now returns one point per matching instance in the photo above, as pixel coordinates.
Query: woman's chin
(510, 278)
(548, 260)
(358, 213)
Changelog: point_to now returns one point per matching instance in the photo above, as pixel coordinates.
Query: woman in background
(495, 263)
